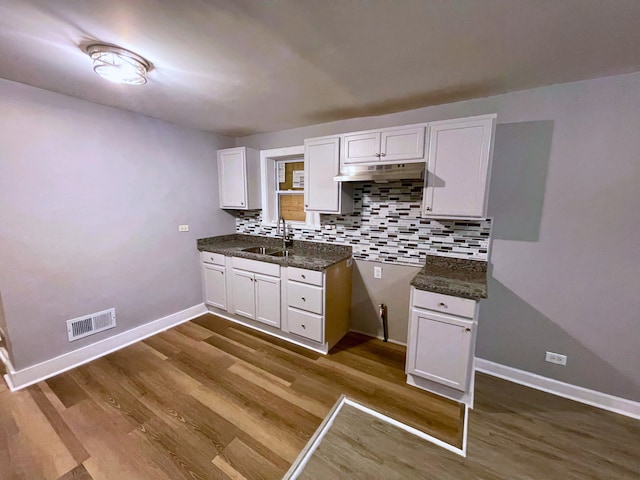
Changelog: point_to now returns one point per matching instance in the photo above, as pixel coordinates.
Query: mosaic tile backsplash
(386, 226)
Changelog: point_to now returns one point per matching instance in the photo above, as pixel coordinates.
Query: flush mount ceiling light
(118, 65)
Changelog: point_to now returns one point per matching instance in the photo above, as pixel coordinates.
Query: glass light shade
(118, 65)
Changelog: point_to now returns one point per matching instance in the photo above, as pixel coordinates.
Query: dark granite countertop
(453, 276)
(302, 254)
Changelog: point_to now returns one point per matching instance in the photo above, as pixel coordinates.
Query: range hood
(381, 173)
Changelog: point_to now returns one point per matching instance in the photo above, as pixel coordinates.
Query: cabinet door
(267, 300)
(232, 178)
(402, 144)
(361, 148)
(440, 348)
(244, 294)
(458, 167)
(215, 286)
(322, 163)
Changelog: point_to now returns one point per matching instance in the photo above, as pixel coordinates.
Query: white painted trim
(298, 465)
(379, 337)
(462, 452)
(305, 455)
(594, 398)
(19, 379)
(4, 358)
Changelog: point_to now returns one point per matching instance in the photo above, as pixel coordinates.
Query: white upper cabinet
(321, 163)
(239, 178)
(458, 167)
(389, 145)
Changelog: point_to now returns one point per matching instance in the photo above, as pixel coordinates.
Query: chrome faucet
(286, 235)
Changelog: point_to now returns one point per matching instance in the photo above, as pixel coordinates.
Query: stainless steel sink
(260, 250)
(281, 253)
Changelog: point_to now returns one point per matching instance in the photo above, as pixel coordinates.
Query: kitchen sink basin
(281, 253)
(260, 250)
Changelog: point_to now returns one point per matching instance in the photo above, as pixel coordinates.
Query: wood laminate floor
(212, 399)
(514, 433)
(207, 399)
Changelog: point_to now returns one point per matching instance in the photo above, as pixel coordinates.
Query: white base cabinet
(441, 346)
(307, 307)
(256, 291)
(214, 279)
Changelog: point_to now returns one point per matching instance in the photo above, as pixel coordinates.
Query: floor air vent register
(89, 324)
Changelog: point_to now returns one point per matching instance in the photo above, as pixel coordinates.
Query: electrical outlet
(377, 272)
(555, 358)
(183, 228)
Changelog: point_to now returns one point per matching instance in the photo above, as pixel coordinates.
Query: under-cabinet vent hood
(381, 173)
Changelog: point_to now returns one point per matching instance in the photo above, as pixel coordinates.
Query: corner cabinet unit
(239, 178)
(390, 145)
(458, 167)
(441, 344)
(307, 307)
(322, 162)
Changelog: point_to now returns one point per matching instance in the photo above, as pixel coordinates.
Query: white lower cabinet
(215, 285)
(305, 324)
(214, 280)
(256, 296)
(441, 346)
(308, 307)
(267, 292)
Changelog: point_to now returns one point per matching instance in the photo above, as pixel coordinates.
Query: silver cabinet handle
(306, 205)
(442, 304)
(303, 327)
(428, 209)
(303, 276)
(304, 299)
(467, 329)
(383, 154)
(377, 155)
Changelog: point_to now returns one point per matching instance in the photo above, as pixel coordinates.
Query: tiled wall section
(386, 227)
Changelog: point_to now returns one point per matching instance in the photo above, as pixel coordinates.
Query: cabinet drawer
(305, 297)
(215, 258)
(256, 267)
(439, 302)
(311, 277)
(305, 324)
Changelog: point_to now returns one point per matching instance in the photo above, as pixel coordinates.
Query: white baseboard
(18, 379)
(594, 398)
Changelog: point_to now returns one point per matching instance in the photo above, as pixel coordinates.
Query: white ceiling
(246, 66)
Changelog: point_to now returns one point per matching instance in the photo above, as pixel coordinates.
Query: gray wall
(90, 202)
(392, 290)
(564, 196)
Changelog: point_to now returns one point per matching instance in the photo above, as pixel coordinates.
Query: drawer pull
(467, 329)
(303, 276)
(304, 299)
(303, 327)
(442, 304)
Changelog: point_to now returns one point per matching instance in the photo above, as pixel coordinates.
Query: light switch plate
(377, 272)
(183, 228)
